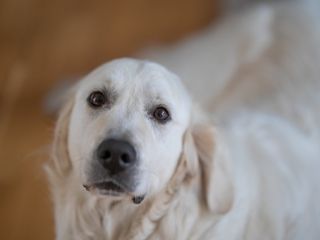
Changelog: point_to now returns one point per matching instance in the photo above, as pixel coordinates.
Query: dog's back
(262, 56)
(269, 113)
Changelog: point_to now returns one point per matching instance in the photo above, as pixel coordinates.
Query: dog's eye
(161, 114)
(96, 99)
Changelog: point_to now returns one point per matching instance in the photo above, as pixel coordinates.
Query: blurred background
(45, 42)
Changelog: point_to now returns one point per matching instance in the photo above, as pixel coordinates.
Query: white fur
(248, 169)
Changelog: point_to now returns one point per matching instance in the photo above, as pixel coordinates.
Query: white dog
(134, 157)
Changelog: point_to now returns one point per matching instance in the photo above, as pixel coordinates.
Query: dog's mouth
(111, 188)
(108, 188)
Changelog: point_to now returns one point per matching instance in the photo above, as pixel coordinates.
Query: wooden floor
(44, 42)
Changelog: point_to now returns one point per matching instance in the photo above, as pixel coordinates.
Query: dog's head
(126, 128)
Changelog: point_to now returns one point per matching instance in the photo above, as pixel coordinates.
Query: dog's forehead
(141, 77)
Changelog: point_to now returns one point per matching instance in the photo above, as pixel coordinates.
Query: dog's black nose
(116, 155)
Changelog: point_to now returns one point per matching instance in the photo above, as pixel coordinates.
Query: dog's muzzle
(113, 170)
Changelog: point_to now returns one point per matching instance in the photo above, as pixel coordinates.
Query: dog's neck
(109, 218)
(142, 220)
(125, 220)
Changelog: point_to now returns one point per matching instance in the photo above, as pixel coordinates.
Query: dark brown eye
(161, 114)
(96, 99)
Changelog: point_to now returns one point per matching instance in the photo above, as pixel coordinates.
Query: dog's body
(247, 171)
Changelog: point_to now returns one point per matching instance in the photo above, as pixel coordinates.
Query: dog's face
(126, 128)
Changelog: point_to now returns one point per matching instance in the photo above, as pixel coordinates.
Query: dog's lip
(109, 185)
(111, 188)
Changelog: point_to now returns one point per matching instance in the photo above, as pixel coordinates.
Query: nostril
(105, 155)
(125, 159)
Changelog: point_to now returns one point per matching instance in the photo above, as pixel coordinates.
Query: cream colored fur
(248, 166)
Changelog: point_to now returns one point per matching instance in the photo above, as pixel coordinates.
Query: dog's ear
(213, 162)
(60, 164)
(189, 154)
(206, 155)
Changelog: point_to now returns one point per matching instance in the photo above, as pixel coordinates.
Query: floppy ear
(60, 164)
(214, 166)
(189, 154)
(206, 155)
